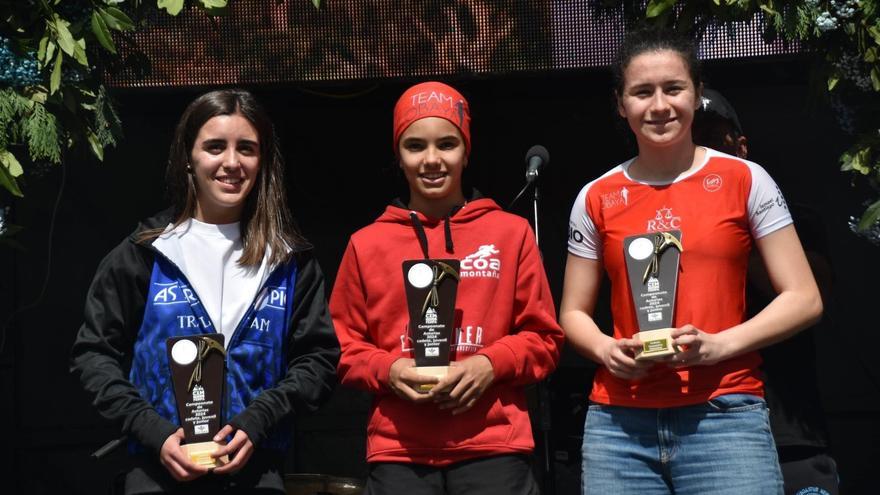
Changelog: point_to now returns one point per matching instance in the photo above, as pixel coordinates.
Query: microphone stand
(541, 388)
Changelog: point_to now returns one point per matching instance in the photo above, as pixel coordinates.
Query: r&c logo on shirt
(482, 263)
(664, 220)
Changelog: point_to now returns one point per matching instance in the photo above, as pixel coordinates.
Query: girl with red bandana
(471, 432)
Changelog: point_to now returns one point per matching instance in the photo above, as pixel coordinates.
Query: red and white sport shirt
(720, 207)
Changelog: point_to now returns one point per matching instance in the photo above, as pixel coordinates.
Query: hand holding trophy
(431, 287)
(652, 266)
(197, 365)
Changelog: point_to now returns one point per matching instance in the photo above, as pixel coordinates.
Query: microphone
(536, 158)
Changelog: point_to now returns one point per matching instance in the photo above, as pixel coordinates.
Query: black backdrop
(337, 141)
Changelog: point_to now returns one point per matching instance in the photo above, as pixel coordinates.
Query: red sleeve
(362, 364)
(531, 351)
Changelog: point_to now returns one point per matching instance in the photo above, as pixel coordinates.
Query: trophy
(197, 364)
(652, 267)
(431, 287)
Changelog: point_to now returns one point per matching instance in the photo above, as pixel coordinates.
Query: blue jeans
(723, 446)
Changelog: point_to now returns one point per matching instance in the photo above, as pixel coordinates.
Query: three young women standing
(696, 422)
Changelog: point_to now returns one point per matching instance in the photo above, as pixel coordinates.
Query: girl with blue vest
(225, 258)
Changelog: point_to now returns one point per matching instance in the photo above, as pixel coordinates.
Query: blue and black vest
(255, 355)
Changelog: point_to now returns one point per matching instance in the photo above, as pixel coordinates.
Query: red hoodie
(506, 314)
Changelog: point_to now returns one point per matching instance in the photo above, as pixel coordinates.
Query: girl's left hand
(464, 384)
(239, 449)
(697, 348)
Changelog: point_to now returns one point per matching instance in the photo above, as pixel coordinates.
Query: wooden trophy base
(200, 454)
(437, 371)
(655, 344)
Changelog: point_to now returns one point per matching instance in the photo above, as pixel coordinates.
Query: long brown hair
(266, 221)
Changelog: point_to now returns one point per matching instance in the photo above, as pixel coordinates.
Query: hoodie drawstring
(420, 232)
(447, 231)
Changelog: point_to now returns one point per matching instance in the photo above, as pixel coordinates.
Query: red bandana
(432, 99)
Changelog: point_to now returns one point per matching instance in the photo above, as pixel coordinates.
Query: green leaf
(213, 4)
(65, 39)
(875, 77)
(874, 31)
(316, 3)
(859, 161)
(658, 7)
(79, 52)
(102, 33)
(870, 55)
(833, 79)
(40, 129)
(108, 127)
(846, 162)
(769, 10)
(870, 216)
(173, 7)
(8, 181)
(116, 19)
(11, 163)
(96, 146)
(55, 79)
(42, 47)
(50, 52)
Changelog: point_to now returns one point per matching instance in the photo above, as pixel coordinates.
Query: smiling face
(433, 157)
(658, 98)
(225, 161)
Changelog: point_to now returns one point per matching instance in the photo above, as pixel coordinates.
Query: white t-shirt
(208, 255)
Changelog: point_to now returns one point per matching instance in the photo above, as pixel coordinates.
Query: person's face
(658, 98)
(432, 157)
(225, 161)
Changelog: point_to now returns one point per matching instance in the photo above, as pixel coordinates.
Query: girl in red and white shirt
(695, 422)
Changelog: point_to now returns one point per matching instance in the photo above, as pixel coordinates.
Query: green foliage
(870, 217)
(173, 7)
(59, 103)
(40, 131)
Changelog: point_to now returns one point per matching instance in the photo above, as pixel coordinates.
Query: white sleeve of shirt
(768, 211)
(583, 239)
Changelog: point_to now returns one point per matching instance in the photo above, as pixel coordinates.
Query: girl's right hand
(618, 355)
(175, 460)
(405, 381)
